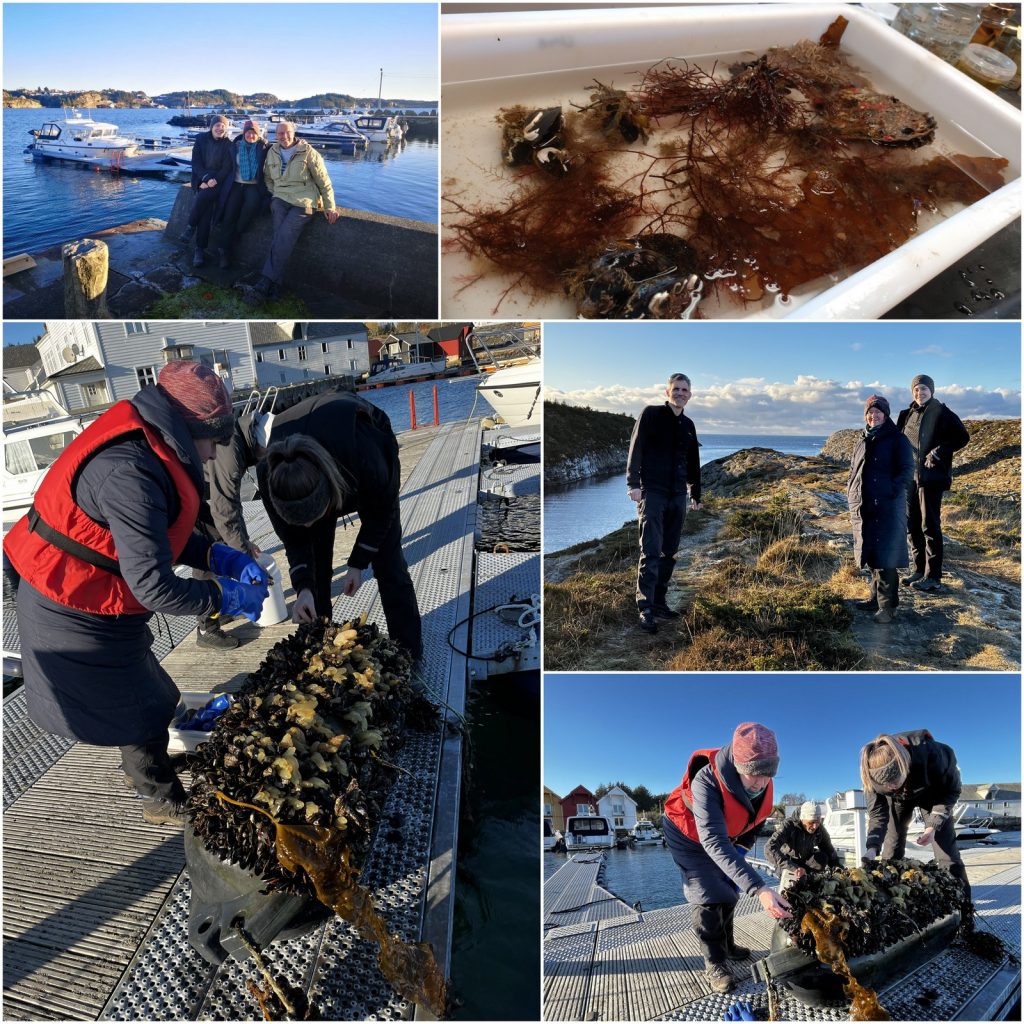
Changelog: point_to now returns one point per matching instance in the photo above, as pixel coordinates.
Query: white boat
(645, 833)
(514, 392)
(29, 451)
(552, 837)
(389, 370)
(589, 832)
(378, 127)
(335, 132)
(99, 143)
(840, 818)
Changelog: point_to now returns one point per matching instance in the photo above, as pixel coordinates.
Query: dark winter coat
(359, 437)
(664, 454)
(792, 846)
(93, 677)
(714, 869)
(212, 158)
(941, 431)
(224, 482)
(260, 185)
(933, 784)
(881, 470)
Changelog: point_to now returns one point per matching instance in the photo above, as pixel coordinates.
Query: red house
(579, 802)
(453, 340)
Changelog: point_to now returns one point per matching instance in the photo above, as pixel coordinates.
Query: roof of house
(17, 357)
(619, 791)
(447, 332)
(315, 331)
(86, 365)
(268, 333)
(548, 789)
(988, 791)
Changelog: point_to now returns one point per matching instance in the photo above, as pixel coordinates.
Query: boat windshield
(49, 131)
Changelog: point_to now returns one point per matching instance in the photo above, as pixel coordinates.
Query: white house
(992, 800)
(92, 364)
(619, 808)
(287, 352)
(23, 368)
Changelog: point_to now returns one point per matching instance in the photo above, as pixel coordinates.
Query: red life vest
(66, 578)
(737, 818)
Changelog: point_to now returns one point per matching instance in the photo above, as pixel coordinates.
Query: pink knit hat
(754, 750)
(200, 398)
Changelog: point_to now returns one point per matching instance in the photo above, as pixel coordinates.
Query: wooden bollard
(85, 279)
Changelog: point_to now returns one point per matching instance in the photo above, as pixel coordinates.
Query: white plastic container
(497, 60)
(182, 740)
(274, 608)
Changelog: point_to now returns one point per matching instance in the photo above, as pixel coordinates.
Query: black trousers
(661, 525)
(148, 765)
(240, 208)
(203, 208)
(944, 846)
(885, 587)
(713, 923)
(924, 528)
(397, 594)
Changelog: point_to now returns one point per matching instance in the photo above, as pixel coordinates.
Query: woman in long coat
(881, 470)
(213, 168)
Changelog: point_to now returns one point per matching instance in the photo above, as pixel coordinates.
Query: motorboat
(391, 370)
(336, 132)
(552, 837)
(589, 832)
(514, 392)
(99, 143)
(378, 127)
(840, 818)
(645, 833)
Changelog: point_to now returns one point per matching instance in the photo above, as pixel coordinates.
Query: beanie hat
(923, 378)
(809, 811)
(251, 124)
(307, 509)
(200, 398)
(221, 118)
(754, 750)
(876, 402)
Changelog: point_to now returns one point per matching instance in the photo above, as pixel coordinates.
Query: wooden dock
(610, 962)
(96, 901)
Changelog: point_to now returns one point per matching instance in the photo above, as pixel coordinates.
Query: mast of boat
(380, 88)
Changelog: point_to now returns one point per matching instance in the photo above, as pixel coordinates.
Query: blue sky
(783, 378)
(640, 729)
(163, 47)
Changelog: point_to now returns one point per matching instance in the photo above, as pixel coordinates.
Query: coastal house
(287, 352)
(619, 808)
(553, 814)
(413, 347)
(90, 365)
(579, 803)
(998, 800)
(453, 341)
(23, 367)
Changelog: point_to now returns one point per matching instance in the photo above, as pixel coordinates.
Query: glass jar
(942, 29)
(985, 64)
(993, 21)
(1010, 45)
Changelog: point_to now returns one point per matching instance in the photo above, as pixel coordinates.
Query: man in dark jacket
(95, 555)
(213, 166)
(800, 845)
(904, 770)
(881, 469)
(358, 437)
(935, 433)
(711, 819)
(664, 459)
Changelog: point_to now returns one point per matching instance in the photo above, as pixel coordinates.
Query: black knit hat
(923, 378)
(876, 402)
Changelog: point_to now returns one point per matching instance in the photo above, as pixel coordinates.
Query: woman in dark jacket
(96, 557)
(245, 194)
(332, 455)
(213, 165)
(902, 771)
(881, 470)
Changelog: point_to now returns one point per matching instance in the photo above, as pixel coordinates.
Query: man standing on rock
(934, 433)
(664, 459)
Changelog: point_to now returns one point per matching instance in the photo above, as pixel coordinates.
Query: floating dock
(96, 901)
(604, 960)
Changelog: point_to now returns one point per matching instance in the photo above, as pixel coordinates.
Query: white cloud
(933, 350)
(806, 405)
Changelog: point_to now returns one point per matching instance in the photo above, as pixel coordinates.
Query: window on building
(282, 376)
(619, 822)
(282, 356)
(353, 364)
(324, 347)
(173, 351)
(327, 369)
(350, 344)
(135, 327)
(146, 375)
(582, 809)
(547, 810)
(95, 394)
(302, 353)
(216, 357)
(618, 808)
(259, 357)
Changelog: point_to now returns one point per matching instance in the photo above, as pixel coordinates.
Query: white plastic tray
(495, 60)
(182, 740)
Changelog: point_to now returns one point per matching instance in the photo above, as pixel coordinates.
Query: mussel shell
(542, 126)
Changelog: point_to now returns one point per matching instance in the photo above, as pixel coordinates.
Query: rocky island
(765, 578)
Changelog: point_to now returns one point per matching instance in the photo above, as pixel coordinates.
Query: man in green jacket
(299, 186)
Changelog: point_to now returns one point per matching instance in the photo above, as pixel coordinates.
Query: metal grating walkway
(96, 902)
(650, 966)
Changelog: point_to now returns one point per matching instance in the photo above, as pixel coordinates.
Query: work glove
(739, 1011)
(242, 598)
(237, 565)
(931, 460)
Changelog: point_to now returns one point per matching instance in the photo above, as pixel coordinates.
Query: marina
(605, 959)
(96, 916)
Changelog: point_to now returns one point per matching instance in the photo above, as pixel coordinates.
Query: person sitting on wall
(245, 194)
(213, 165)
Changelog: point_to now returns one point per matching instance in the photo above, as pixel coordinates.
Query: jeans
(148, 765)
(661, 524)
(924, 528)
(289, 223)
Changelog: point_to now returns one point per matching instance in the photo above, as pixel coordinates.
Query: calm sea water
(456, 400)
(594, 507)
(46, 203)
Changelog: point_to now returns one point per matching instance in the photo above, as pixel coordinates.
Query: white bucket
(274, 608)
